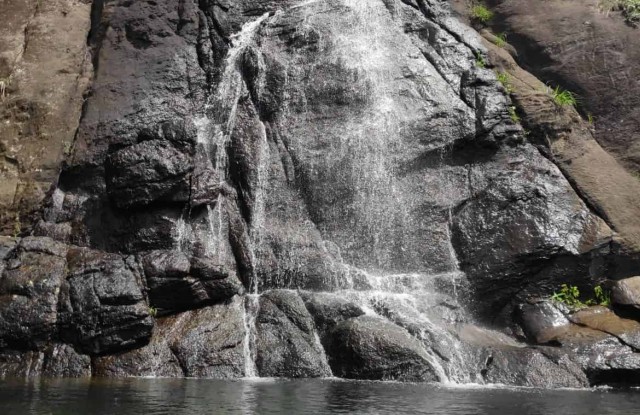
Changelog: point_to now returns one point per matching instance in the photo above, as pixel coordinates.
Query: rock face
(286, 342)
(45, 68)
(351, 149)
(552, 40)
(373, 348)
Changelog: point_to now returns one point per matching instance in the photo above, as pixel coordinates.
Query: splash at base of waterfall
(251, 308)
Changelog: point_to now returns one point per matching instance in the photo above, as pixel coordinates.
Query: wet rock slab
(373, 348)
(178, 282)
(208, 343)
(29, 287)
(102, 308)
(286, 341)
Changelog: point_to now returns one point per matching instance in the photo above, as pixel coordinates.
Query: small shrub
(153, 312)
(562, 97)
(569, 295)
(480, 61)
(480, 13)
(630, 9)
(500, 40)
(504, 79)
(514, 115)
(603, 297)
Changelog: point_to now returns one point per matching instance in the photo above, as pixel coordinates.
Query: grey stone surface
(286, 342)
(373, 348)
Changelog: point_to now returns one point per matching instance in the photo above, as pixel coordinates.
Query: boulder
(211, 344)
(286, 342)
(149, 171)
(102, 309)
(329, 309)
(541, 321)
(625, 295)
(603, 319)
(19, 364)
(179, 282)
(533, 367)
(29, 288)
(208, 342)
(373, 348)
(62, 361)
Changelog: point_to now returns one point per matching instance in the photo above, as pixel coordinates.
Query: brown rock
(603, 319)
(45, 68)
(626, 292)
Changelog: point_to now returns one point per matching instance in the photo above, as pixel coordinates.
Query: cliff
(299, 188)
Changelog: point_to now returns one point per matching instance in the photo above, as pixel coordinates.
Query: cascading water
(215, 128)
(425, 303)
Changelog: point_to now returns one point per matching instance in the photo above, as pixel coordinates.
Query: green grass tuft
(505, 80)
(500, 40)
(630, 9)
(514, 115)
(563, 98)
(481, 13)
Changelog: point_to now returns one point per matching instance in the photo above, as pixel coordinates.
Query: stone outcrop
(286, 342)
(45, 70)
(373, 348)
(232, 153)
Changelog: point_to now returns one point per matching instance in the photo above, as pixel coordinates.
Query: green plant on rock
(153, 312)
(603, 297)
(500, 40)
(505, 80)
(480, 62)
(569, 295)
(630, 9)
(514, 115)
(480, 13)
(564, 98)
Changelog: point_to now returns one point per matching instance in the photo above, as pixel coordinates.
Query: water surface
(193, 397)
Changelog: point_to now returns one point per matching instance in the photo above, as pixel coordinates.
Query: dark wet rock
(102, 308)
(211, 343)
(16, 364)
(286, 341)
(287, 157)
(208, 342)
(621, 369)
(479, 336)
(539, 367)
(62, 361)
(373, 348)
(178, 282)
(541, 321)
(148, 172)
(29, 289)
(329, 309)
(522, 232)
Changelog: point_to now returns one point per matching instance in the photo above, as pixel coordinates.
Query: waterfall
(251, 308)
(424, 301)
(214, 129)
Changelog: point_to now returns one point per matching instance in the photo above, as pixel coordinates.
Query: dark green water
(193, 397)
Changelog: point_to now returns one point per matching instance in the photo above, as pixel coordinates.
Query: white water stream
(412, 301)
